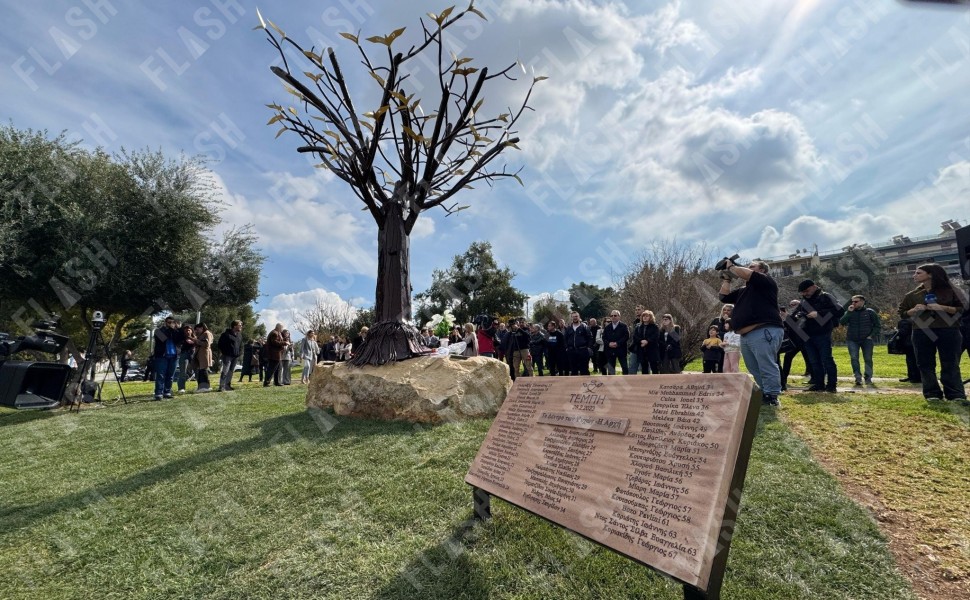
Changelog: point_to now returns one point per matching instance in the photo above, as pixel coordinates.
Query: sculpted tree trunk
(391, 339)
(393, 267)
(397, 159)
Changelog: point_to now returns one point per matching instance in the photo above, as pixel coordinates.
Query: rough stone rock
(419, 390)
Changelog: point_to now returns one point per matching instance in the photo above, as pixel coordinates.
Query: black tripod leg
(111, 363)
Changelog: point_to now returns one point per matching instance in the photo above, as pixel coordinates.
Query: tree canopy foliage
(548, 308)
(590, 300)
(473, 285)
(129, 235)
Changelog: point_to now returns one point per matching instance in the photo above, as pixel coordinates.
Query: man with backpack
(862, 326)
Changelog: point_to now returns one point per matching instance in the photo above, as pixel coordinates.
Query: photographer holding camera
(755, 318)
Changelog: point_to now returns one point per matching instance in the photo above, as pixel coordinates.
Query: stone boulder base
(419, 390)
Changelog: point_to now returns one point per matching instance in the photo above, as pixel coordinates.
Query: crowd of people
(751, 325)
(179, 351)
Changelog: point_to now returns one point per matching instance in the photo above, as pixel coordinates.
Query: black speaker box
(32, 384)
(963, 246)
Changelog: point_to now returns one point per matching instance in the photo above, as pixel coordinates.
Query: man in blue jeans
(821, 314)
(756, 319)
(165, 356)
(862, 326)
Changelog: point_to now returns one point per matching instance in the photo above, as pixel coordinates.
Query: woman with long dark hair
(935, 308)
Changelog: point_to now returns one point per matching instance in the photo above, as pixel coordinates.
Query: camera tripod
(87, 390)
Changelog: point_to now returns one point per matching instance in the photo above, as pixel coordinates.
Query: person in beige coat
(203, 357)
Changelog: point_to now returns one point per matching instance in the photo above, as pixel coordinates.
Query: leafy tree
(365, 318)
(591, 301)
(473, 285)
(128, 236)
(218, 318)
(398, 159)
(675, 278)
(549, 308)
(859, 271)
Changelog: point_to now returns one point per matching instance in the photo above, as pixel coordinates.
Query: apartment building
(901, 255)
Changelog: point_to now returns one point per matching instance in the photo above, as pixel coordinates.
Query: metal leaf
(280, 31)
(444, 14)
(350, 36)
(394, 35)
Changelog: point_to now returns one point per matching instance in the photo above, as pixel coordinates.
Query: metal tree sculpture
(398, 161)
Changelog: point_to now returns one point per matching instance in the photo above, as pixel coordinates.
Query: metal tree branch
(398, 161)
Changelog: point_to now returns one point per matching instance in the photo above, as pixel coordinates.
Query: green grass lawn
(885, 365)
(247, 495)
(911, 455)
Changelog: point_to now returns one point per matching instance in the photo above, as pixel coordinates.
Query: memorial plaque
(649, 465)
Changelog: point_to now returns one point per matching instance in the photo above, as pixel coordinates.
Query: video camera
(722, 264)
(26, 384)
(483, 321)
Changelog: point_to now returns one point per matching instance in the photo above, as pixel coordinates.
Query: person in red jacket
(486, 339)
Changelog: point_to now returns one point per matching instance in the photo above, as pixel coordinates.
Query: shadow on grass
(16, 417)
(444, 571)
(957, 409)
(315, 425)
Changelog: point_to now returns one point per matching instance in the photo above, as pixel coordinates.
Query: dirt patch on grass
(908, 463)
(916, 560)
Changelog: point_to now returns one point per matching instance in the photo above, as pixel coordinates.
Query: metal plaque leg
(482, 502)
(692, 593)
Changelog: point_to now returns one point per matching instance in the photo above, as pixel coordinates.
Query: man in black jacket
(230, 346)
(616, 336)
(516, 348)
(821, 313)
(579, 345)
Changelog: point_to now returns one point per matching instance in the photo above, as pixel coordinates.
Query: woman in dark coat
(671, 345)
(247, 361)
(646, 343)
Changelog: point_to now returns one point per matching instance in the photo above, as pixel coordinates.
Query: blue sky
(758, 126)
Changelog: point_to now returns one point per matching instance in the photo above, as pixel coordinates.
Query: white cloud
(287, 308)
(807, 231)
(946, 196)
(916, 213)
(291, 218)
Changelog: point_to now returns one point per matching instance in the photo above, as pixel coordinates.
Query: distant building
(901, 254)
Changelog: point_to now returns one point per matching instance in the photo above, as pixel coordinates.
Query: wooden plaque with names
(650, 466)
